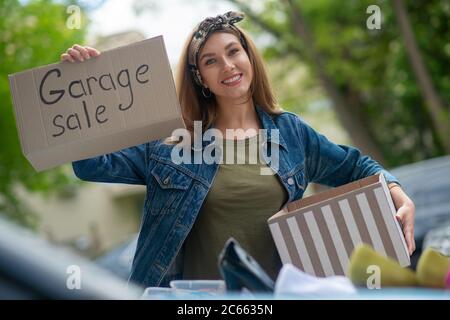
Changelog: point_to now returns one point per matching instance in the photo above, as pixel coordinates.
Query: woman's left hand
(405, 214)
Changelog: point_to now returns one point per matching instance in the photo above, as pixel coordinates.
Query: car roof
(31, 267)
(427, 183)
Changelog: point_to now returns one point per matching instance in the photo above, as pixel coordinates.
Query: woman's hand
(79, 53)
(405, 214)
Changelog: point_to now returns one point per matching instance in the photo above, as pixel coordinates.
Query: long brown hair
(195, 107)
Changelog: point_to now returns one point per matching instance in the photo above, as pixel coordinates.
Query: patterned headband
(204, 30)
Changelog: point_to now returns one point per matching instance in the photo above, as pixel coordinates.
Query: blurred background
(373, 74)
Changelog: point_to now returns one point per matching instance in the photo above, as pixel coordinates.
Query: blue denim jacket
(176, 192)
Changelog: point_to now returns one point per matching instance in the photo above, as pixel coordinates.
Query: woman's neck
(237, 116)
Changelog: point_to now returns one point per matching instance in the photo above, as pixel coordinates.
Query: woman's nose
(228, 64)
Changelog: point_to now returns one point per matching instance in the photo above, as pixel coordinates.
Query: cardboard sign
(72, 111)
(318, 234)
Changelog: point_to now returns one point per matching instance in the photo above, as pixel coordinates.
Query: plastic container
(156, 293)
(207, 286)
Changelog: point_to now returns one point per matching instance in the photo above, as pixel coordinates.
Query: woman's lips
(233, 81)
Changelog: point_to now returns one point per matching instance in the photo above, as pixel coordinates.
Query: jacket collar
(268, 124)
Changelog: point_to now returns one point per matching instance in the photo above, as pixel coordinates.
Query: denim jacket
(176, 192)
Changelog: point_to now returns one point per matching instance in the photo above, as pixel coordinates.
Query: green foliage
(32, 33)
(370, 68)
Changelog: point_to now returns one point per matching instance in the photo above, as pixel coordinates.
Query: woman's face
(225, 67)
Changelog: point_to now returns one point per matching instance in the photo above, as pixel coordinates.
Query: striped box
(317, 234)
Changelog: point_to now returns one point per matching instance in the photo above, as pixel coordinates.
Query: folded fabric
(391, 273)
(293, 281)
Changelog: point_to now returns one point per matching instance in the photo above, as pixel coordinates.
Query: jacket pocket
(167, 188)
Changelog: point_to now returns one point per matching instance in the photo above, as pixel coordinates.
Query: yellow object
(432, 269)
(364, 260)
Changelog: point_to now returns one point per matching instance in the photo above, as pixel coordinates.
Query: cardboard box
(317, 234)
(72, 111)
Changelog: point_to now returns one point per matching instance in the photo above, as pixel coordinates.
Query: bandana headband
(204, 30)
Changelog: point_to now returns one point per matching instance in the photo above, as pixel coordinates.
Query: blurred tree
(432, 100)
(32, 33)
(366, 73)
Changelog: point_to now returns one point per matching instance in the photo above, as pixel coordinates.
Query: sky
(173, 19)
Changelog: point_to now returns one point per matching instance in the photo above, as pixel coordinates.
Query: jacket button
(290, 181)
(166, 181)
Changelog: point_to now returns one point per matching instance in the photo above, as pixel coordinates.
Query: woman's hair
(195, 107)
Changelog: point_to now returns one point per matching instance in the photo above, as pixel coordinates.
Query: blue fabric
(175, 192)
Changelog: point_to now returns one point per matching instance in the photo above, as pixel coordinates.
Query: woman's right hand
(79, 53)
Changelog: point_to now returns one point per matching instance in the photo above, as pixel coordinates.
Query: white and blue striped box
(317, 234)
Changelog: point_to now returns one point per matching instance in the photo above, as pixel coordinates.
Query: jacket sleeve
(334, 165)
(124, 166)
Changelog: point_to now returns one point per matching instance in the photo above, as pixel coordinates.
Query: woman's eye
(209, 61)
(233, 51)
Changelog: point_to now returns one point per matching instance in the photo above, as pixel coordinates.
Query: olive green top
(238, 205)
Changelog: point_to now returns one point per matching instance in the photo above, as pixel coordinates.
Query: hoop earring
(208, 93)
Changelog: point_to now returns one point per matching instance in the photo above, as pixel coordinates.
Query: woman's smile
(232, 81)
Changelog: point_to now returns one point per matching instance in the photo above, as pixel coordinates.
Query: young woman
(191, 209)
